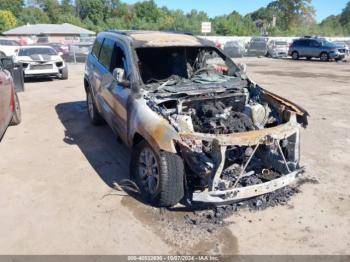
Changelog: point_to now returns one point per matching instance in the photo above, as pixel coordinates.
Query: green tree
(345, 15)
(66, 7)
(7, 20)
(93, 10)
(293, 14)
(234, 24)
(15, 6)
(33, 15)
(70, 19)
(51, 8)
(147, 11)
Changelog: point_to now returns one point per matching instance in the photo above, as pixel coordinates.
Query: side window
(315, 43)
(106, 53)
(118, 59)
(297, 43)
(96, 47)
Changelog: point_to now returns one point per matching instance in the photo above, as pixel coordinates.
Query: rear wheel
(324, 57)
(17, 116)
(95, 117)
(295, 55)
(159, 177)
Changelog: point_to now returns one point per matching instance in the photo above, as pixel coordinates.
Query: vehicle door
(115, 94)
(5, 98)
(304, 48)
(92, 68)
(315, 48)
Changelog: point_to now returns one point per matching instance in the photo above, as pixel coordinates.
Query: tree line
(278, 18)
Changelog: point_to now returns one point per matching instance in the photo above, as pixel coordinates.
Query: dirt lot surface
(57, 173)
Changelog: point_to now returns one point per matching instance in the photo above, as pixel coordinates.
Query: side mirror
(242, 67)
(119, 77)
(7, 63)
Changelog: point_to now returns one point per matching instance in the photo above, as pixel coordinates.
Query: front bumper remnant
(240, 193)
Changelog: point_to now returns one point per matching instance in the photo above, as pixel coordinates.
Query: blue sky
(324, 8)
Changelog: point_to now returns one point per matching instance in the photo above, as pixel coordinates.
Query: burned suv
(197, 125)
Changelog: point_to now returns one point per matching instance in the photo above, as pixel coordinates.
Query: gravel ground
(57, 173)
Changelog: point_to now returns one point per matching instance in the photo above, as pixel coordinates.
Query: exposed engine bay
(226, 124)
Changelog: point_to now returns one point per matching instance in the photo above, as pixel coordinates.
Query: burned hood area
(236, 138)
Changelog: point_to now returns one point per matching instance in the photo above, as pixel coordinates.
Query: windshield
(328, 44)
(36, 51)
(160, 64)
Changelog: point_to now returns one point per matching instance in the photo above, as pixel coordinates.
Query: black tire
(17, 116)
(169, 189)
(324, 57)
(64, 73)
(94, 116)
(295, 55)
(338, 59)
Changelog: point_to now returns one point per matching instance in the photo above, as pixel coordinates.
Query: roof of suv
(161, 39)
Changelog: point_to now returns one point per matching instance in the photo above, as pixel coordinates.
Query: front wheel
(64, 73)
(160, 177)
(17, 116)
(324, 57)
(95, 117)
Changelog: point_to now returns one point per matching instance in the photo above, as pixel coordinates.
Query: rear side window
(301, 43)
(96, 47)
(106, 53)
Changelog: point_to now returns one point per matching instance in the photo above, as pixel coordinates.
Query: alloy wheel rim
(149, 170)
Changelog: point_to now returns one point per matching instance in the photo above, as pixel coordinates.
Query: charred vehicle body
(197, 125)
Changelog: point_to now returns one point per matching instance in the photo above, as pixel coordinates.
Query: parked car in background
(343, 45)
(61, 49)
(41, 61)
(10, 110)
(234, 49)
(257, 46)
(78, 52)
(315, 48)
(277, 48)
(8, 47)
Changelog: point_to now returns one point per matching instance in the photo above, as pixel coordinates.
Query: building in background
(54, 33)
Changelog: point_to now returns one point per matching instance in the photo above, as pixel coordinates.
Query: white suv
(41, 61)
(8, 47)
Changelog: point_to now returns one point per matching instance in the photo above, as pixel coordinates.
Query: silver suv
(315, 48)
(197, 126)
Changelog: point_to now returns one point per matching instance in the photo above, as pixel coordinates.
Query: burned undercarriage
(237, 140)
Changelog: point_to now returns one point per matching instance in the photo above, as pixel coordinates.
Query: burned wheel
(148, 170)
(160, 177)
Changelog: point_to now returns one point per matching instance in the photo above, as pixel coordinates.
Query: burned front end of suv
(236, 139)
